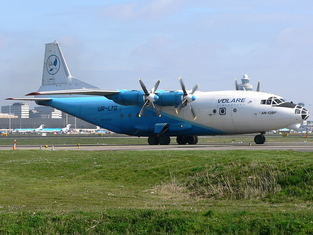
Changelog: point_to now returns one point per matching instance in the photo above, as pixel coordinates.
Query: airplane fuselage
(218, 113)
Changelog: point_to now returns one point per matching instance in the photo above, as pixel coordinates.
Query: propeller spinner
(149, 97)
(187, 98)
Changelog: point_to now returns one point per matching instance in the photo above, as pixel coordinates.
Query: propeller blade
(156, 110)
(193, 113)
(155, 87)
(194, 89)
(183, 103)
(144, 87)
(182, 86)
(143, 108)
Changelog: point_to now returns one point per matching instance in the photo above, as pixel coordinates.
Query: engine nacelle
(172, 98)
(125, 97)
(137, 97)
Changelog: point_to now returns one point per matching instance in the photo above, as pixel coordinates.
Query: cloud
(295, 37)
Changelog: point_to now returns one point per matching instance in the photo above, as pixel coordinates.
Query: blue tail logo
(53, 64)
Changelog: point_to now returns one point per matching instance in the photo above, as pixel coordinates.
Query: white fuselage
(234, 112)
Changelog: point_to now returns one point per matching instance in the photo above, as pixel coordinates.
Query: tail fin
(40, 127)
(66, 128)
(56, 74)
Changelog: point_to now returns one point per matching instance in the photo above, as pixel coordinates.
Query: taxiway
(295, 146)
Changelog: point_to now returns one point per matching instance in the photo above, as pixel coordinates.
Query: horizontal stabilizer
(96, 92)
(30, 99)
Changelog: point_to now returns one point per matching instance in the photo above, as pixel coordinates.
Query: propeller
(149, 97)
(187, 98)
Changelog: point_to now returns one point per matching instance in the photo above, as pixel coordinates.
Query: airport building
(19, 115)
(245, 85)
(21, 110)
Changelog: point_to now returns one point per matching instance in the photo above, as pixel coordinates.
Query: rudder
(56, 74)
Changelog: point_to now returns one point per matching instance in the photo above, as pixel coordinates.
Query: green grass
(150, 192)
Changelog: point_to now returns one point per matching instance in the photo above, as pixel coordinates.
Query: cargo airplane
(161, 114)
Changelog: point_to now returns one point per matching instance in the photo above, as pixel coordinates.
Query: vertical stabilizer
(56, 74)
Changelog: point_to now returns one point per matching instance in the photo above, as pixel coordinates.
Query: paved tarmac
(296, 146)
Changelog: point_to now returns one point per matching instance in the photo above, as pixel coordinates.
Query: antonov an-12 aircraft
(160, 114)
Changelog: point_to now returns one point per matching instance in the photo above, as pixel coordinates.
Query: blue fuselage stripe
(122, 119)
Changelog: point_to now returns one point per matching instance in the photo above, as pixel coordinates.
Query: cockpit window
(272, 101)
(278, 101)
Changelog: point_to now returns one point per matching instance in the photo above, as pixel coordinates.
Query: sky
(111, 44)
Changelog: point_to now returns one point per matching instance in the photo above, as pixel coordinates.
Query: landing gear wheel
(192, 139)
(164, 140)
(181, 140)
(259, 139)
(153, 140)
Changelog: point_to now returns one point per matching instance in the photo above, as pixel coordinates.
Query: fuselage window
(222, 111)
(214, 110)
(263, 101)
(122, 115)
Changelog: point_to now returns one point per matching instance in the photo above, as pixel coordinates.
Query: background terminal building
(19, 115)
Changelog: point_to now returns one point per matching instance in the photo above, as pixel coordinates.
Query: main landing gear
(162, 140)
(259, 139)
(165, 140)
(191, 139)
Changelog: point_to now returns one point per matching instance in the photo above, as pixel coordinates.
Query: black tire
(192, 139)
(164, 140)
(181, 140)
(259, 139)
(153, 140)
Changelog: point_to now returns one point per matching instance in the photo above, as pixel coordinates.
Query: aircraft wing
(96, 92)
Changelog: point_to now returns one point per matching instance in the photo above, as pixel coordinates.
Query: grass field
(150, 192)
